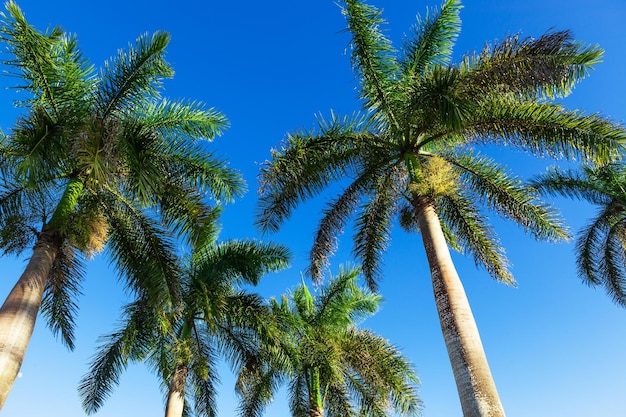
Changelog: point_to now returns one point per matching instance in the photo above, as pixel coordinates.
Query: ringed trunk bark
(19, 311)
(475, 385)
(176, 394)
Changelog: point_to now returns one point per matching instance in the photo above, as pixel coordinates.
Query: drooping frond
(195, 167)
(62, 288)
(432, 39)
(473, 234)
(131, 342)
(508, 196)
(306, 164)
(141, 250)
(590, 245)
(546, 130)
(373, 227)
(548, 66)
(236, 262)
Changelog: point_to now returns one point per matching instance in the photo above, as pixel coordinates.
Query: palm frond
(508, 196)
(613, 262)
(306, 164)
(432, 39)
(546, 66)
(178, 120)
(130, 343)
(196, 167)
(373, 227)
(141, 250)
(474, 235)
(372, 57)
(547, 130)
(134, 74)
(33, 60)
(62, 288)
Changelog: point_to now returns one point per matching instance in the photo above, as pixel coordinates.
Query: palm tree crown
(214, 318)
(99, 159)
(601, 245)
(330, 364)
(411, 155)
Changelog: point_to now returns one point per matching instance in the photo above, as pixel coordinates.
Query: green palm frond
(613, 262)
(578, 185)
(62, 288)
(131, 342)
(141, 249)
(203, 376)
(533, 67)
(196, 167)
(342, 303)
(372, 57)
(432, 39)
(335, 217)
(474, 235)
(547, 130)
(134, 74)
(31, 49)
(299, 396)
(236, 262)
(183, 119)
(508, 196)
(304, 166)
(591, 245)
(373, 228)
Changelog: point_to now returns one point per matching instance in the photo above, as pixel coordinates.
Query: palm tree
(411, 154)
(601, 245)
(99, 159)
(214, 318)
(329, 363)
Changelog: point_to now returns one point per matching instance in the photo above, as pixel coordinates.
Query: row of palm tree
(101, 161)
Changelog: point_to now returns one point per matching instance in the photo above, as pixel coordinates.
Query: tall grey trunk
(19, 311)
(475, 385)
(176, 394)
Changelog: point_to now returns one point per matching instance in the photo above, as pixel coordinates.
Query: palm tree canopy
(422, 118)
(100, 159)
(600, 246)
(328, 362)
(214, 318)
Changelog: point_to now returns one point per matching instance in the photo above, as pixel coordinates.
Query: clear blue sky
(555, 347)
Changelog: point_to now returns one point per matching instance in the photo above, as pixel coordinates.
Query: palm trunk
(176, 394)
(475, 385)
(19, 311)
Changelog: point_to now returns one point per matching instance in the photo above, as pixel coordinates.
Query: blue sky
(556, 347)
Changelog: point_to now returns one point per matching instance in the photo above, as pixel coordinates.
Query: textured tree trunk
(475, 385)
(176, 394)
(19, 311)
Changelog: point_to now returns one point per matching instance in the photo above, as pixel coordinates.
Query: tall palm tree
(183, 343)
(330, 364)
(97, 160)
(411, 154)
(601, 245)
